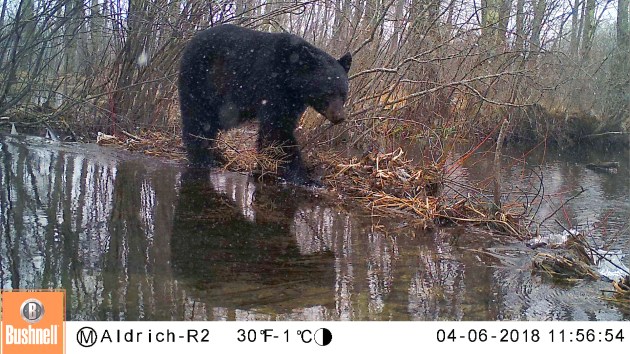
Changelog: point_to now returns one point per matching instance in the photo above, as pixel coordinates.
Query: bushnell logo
(33, 322)
(32, 311)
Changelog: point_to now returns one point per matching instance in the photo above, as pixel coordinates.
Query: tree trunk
(504, 20)
(97, 28)
(589, 29)
(620, 73)
(539, 14)
(399, 26)
(240, 7)
(623, 30)
(22, 34)
(491, 23)
(575, 32)
(519, 43)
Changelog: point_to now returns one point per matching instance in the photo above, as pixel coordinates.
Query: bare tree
(110, 65)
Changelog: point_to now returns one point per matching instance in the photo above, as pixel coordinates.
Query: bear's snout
(337, 118)
(335, 112)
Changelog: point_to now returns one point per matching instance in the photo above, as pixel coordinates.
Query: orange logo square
(33, 321)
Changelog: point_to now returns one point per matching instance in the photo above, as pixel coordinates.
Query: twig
(131, 135)
(563, 204)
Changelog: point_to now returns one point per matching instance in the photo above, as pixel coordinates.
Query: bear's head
(320, 80)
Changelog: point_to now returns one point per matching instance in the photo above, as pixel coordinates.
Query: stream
(131, 237)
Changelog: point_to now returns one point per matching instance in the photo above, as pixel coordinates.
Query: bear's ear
(346, 61)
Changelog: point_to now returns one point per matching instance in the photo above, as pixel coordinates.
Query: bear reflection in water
(250, 258)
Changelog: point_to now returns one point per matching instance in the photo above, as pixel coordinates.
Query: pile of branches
(386, 183)
(569, 261)
(621, 292)
(565, 267)
(573, 260)
(390, 183)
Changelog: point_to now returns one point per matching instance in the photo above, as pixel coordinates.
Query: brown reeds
(235, 147)
(240, 153)
(569, 261)
(152, 143)
(390, 183)
(622, 287)
(385, 183)
(621, 293)
(566, 267)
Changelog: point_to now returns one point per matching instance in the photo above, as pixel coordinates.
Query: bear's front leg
(275, 133)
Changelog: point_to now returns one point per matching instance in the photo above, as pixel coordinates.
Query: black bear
(230, 74)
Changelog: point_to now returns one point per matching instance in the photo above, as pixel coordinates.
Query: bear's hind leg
(199, 133)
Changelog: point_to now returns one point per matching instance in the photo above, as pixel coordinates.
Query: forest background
(554, 70)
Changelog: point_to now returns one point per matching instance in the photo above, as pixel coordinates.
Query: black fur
(230, 74)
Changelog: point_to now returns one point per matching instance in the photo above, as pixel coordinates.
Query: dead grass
(390, 183)
(152, 143)
(621, 294)
(570, 261)
(238, 148)
(384, 183)
(564, 267)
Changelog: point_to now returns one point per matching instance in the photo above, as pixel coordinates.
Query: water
(136, 238)
(603, 201)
